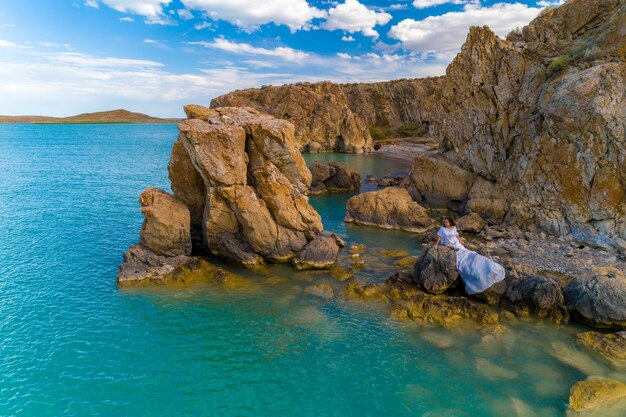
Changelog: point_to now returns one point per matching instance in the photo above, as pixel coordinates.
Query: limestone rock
(390, 208)
(435, 270)
(493, 295)
(320, 253)
(166, 228)
(336, 117)
(471, 223)
(333, 176)
(599, 297)
(611, 346)
(536, 295)
(594, 393)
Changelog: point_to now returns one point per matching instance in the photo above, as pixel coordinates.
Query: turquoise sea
(73, 344)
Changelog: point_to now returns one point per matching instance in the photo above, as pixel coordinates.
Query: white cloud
(283, 52)
(353, 16)
(347, 38)
(554, 3)
(150, 41)
(4, 44)
(344, 56)
(250, 14)
(127, 19)
(92, 3)
(423, 4)
(448, 31)
(203, 25)
(152, 10)
(184, 14)
(55, 45)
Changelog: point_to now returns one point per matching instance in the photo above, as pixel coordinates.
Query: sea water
(73, 344)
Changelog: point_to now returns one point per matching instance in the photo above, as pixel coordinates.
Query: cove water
(73, 344)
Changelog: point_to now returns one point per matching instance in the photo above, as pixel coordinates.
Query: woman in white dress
(477, 271)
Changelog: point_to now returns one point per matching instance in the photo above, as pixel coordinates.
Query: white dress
(477, 271)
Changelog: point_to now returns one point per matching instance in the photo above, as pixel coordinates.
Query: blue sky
(63, 57)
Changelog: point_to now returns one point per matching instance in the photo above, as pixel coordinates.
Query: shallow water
(72, 344)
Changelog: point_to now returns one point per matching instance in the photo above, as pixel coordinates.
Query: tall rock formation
(240, 187)
(337, 117)
(538, 122)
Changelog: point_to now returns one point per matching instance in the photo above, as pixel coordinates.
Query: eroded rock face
(166, 227)
(333, 177)
(239, 185)
(390, 208)
(435, 270)
(471, 223)
(598, 298)
(547, 145)
(336, 117)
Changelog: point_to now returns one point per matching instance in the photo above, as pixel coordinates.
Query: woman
(477, 271)
(448, 235)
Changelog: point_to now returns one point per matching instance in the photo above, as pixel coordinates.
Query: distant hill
(111, 116)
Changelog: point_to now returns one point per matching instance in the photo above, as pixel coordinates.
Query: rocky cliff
(339, 117)
(536, 123)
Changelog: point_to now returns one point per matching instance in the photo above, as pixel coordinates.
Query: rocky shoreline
(528, 189)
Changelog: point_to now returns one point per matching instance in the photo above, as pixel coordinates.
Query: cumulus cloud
(152, 10)
(353, 17)
(448, 31)
(347, 38)
(282, 52)
(250, 14)
(554, 3)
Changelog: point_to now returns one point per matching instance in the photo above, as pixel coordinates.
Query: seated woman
(477, 271)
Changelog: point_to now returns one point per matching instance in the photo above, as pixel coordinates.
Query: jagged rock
(336, 117)
(435, 270)
(166, 227)
(390, 208)
(333, 176)
(598, 298)
(522, 124)
(436, 181)
(254, 182)
(594, 393)
(390, 181)
(141, 266)
(536, 295)
(471, 223)
(320, 253)
(611, 346)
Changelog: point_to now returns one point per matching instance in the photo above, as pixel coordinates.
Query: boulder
(435, 270)
(334, 177)
(493, 295)
(611, 346)
(595, 393)
(471, 223)
(390, 208)
(537, 295)
(598, 298)
(166, 227)
(320, 253)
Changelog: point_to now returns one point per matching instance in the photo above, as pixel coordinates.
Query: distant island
(103, 117)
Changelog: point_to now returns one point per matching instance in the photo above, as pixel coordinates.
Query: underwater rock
(407, 261)
(389, 208)
(435, 270)
(611, 346)
(594, 393)
(394, 253)
(536, 295)
(320, 253)
(598, 298)
(341, 273)
(141, 266)
(166, 227)
(333, 177)
(324, 291)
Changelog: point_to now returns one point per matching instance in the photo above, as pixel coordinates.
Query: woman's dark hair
(451, 220)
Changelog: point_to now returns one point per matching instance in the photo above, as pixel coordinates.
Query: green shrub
(412, 129)
(515, 34)
(558, 64)
(380, 133)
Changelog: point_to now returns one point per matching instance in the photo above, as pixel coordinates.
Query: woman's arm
(438, 240)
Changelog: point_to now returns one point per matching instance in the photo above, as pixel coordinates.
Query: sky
(65, 57)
